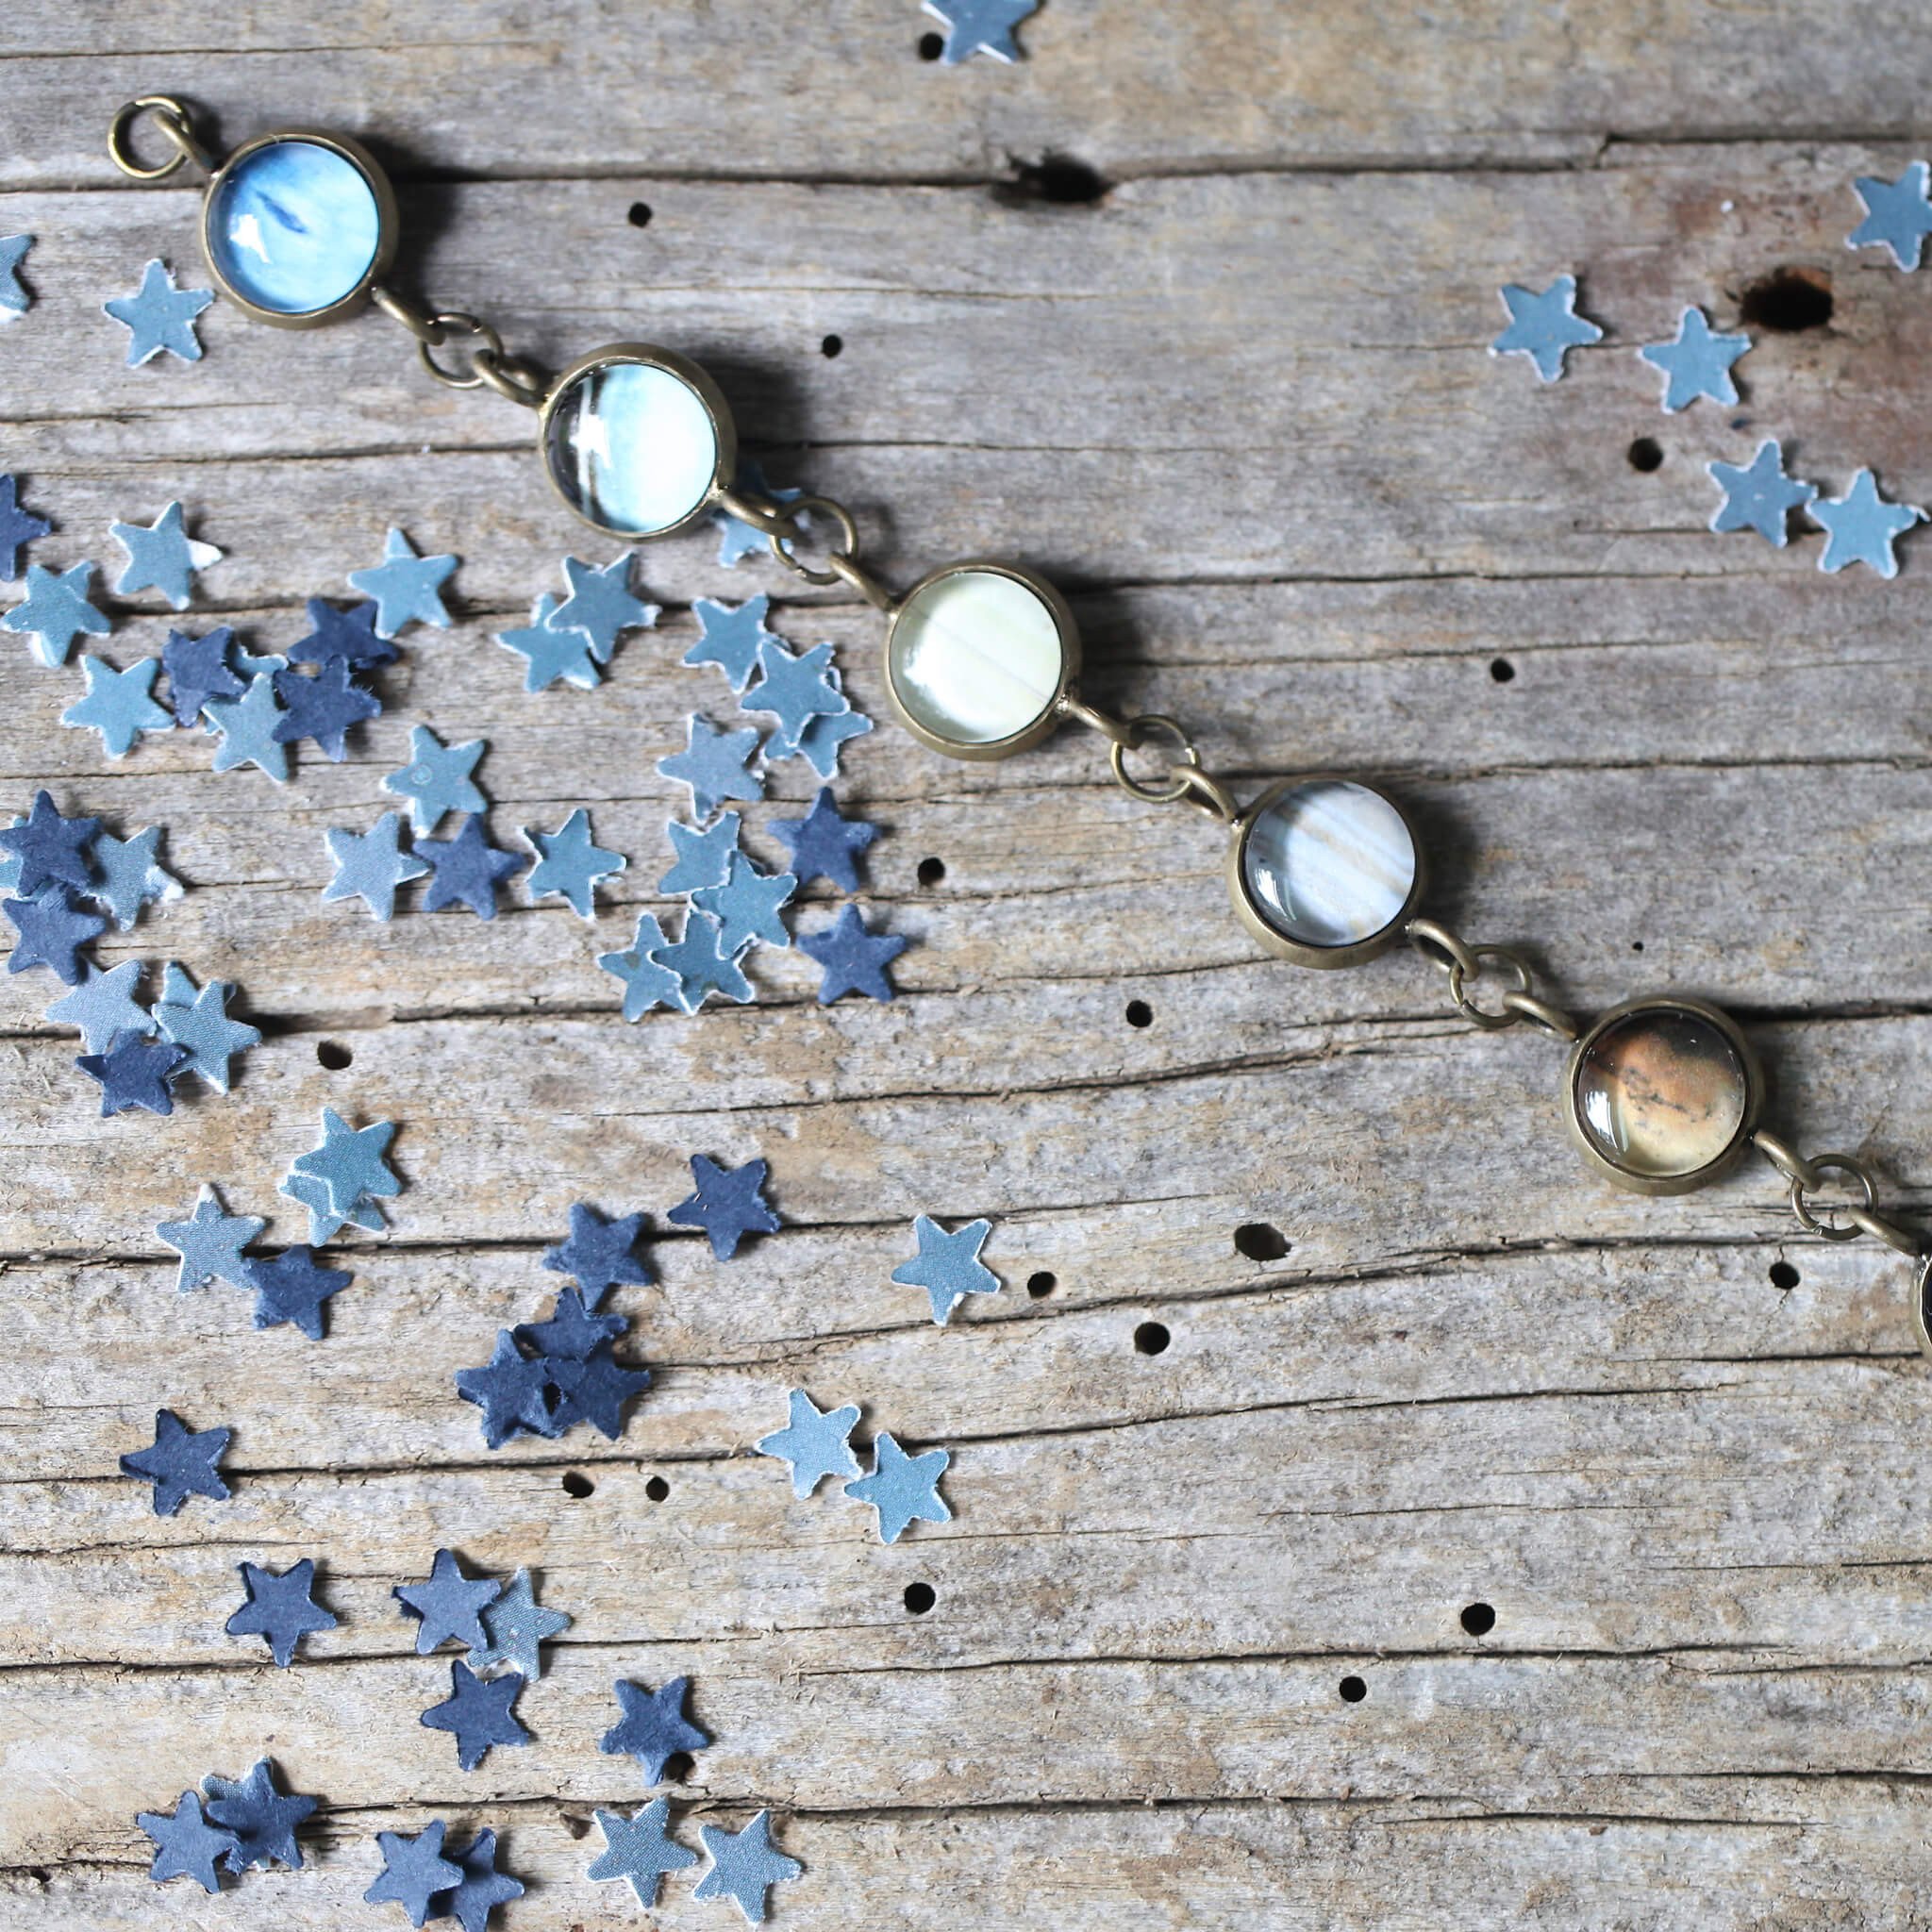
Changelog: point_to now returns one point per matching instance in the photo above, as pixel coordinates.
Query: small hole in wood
(1059, 180)
(576, 1484)
(1783, 1275)
(1636, 946)
(657, 1489)
(831, 347)
(678, 1768)
(931, 47)
(920, 1598)
(1151, 1338)
(333, 1056)
(577, 1827)
(1041, 1285)
(1259, 1241)
(1788, 301)
(1353, 1690)
(1501, 670)
(931, 871)
(639, 215)
(1140, 1014)
(1646, 454)
(1478, 1619)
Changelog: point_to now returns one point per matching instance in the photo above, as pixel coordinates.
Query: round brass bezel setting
(1714, 1168)
(1051, 713)
(1324, 958)
(647, 356)
(388, 225)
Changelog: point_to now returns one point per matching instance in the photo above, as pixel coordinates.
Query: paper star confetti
(479, 1712)
(119, 704)
(280, 1608)
(517, 1625)
(853, 959)
(737, 539)
(484, 1888)
(794, 690)
(818, 743)
(1544, 326)
(344, 635)
(162, 555)
(468, 870)
(902, 1488)
(55, 610)
(639, 1848)
(262, 1818)
(703, 858)
(654, 1728)
(513, 1393)
(323, 708)
(370, 865)
(596, 1390)
(731, 635)
(1861, 527)
(568, 865)
(210, 1242)
(746, 906)
(551, 656)
(51, 847)
(293, 1287)
(447, 1604)
(53, 928)
(815, 1441)
(14, 299)
(160, 316)
(102, 1006)
(325, 1222)
(180, 1463)
(1898, 214)
(250, 665)
(186, 1844)
(729, 1205)
(350, 1161)
(825, 844)
(600, 604)
(198, 1022)
(600, 1252)
(1697, 363)
(948, 1266)
(134, 1073)
(247, 728)
(131, 875)
(198, 669)
(572, 1333)
(1759, 496)
(407, 587)
(413, 1871)
(437, 779)
(19, 526)
(646, 984)
(745, 1865)
(701, 965)
(714, 764)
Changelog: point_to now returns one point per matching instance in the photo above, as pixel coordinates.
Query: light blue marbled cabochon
(1329, 863)
(632, 447)
(294, 227)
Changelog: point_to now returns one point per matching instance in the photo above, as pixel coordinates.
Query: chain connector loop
(765, 517)
(513, 378)
(1175, 786)
(1459, 989)
(1827, 1228)
(1788, 1161)
(174, 121)
(787, 529)
(454, 320)
(1449, 953)
(1439, 946)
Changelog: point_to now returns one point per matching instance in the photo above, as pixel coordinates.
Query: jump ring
(799, 507)
(454, 319)
(172, 118)
(1465, 1005)
(1154, 725)
(1827, 1230)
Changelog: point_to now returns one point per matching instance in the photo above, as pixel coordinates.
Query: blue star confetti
(517, 1625)
(134, 1073)
(55, 610)
(447, 1604)
(654, 1728)
(186, 1844)
(14, 299)
(437, 779)
(730, 636)
(600, 604)
(702, 859)
(1544, 326)
(413, 1871)
(1898, 215)
(1861, 527)
(180, 1463)
(795, 690)
(247, 729)
(9, 861)
(596, 1390)
(818, 743)
(701, 965)
(853, 959)
(344, 635)
(325, 1222)
(468, 869)
(1759, 496)
(513, 1393)
(19, 527)
(902, 1488)
(825, 844)
(479, 1712)
(293, 1287)
(281, 1609)
(646, 984)
(600, 1252)
(52, 848)
(262, 1818)
(746, 906)
(571, 1333)
(1697, 363)
(160, 316)
(483, 1888)
(737, 541)
(948, 1266)
(162, 555)
(370, 865)
(53, 928)
(408, 587)
(639, 1848)
(729, 1205)
(323, 708)
(198, 1022)
(350, 1161)
(119, 704)
(131, 875)
(815, 1441)
(745, 1865)
(103, 1006)
(210, 1243)
(568, 865)
(198, 669)
(714, 764)
(551, 656)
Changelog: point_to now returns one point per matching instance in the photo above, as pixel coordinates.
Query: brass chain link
(1465, 965)
(1808, 1178)
(172, 119)
(1184, 779)
(512, 376)
(782, 524)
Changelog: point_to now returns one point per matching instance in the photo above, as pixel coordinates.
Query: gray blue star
(55, 610)
(209, 1242)
(825, 844)
(701, 965)
(549, 654)
(568, 865)
(293, 1287)
(370, 865)
(180, 1463)
(818, 743)
(161, 557)
(186, 1846)
(413, 1871)
(131, 875)
(448, 1604)
(160, 316)
(1861, 527)
(407, 587)
(479, 1712)
(1544, 326)
(247, 729)
(53, 928)
(102, 1006)
(601, 1251)
(715, 765)
(815, 1441)
(731, 636)
(1760, 497)
(280, 1608)
(119, 704)
(323, 706)
(263, 1819)
(14, 299)
(600, 604)
(1898, 215)
(483, 1888)
(50, 846)
(639, 1848)
(654, 1728)
(517, 1625)
(902, 1488)
(198, 669)
(437, 779)
(198, 1023)
(350, 1161)
(852, 959)
(746, 906)
(133, 1072)
(729, 1204)
(948, 1266)
(646, 984)
(325, 1222)
(1697, 363)
(795, 690)
(468, 869)
(702, 859)
(745, 1865)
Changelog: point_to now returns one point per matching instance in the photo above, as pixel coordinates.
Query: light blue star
(814, 1441)
(746, 906)
(980, 26)
(407, 587)
(1697, 363)
(600, 604)
(119, 704)
(350, 1161)
(947, 1265)
(701, 965)
(161, 557)
(641, 1849)
(818, 743)
(794, 690)
(713, 763)
(131, 875)
(14, 298)
(1544, 326)
(324, 1223)
(744, 1866)
(1861, 526)
(55, 610)
(1760, 497)
(902, 1488)
(437, 779)
(102, 1005)
(11, 864)
(199, 1022)
(732, 634)
(703, 858)
(247, 728)
(370, 865)
(737, 539)
(210, 1242)
(1898, 215)
(550, 654)
(646, 984)
(516, 1625)
(568, 865)
(160, 316)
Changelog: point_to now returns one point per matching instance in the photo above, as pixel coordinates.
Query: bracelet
(1663, 1094)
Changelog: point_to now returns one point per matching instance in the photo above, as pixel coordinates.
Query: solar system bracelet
(1662, 1094)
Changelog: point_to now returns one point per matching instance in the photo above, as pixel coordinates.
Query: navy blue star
(53, 928)
(181, 1462)
(571, 1332)
(596, 1390)
(186, 1846)
(729, 1205)
(824, 843)
(483, 1888)
(263, 1819)
(448, 1604)
(348, 634)
(413, 1871)
(281, 1608)
(50, 847)
(468, 869)
(291, 1287)
(654, 1727)
(134, 1073)
(18, 528)
(198, 669)
(512, 1392)
(854, 960)
(479, 1712)
(323, 708)
(601, 1254)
